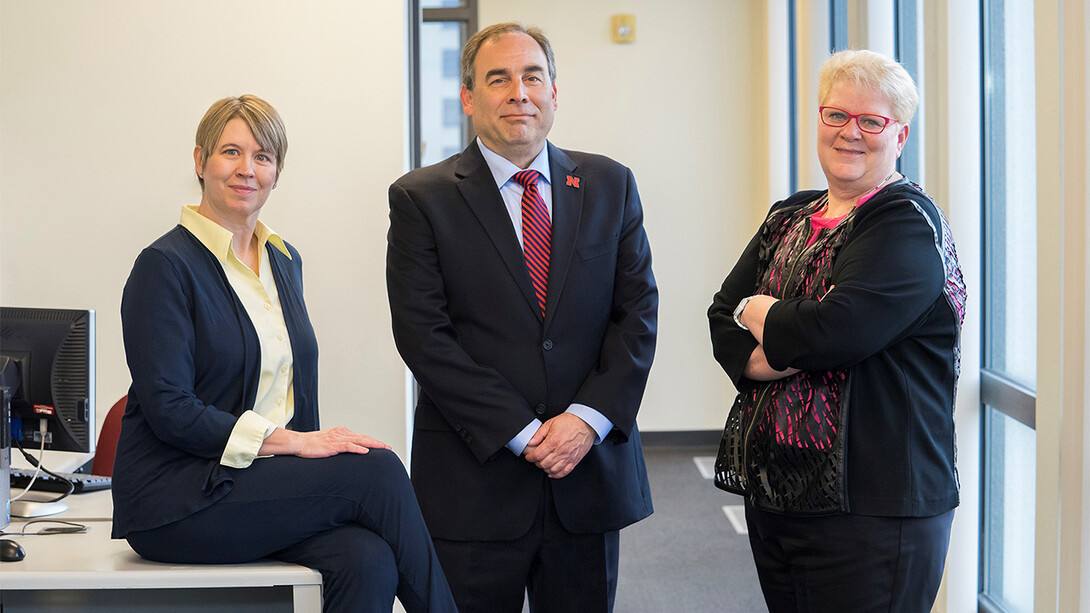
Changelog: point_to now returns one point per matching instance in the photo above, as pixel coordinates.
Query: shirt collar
(217, 239)
(503, 169)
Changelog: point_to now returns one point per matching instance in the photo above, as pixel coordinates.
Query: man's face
(513, 101)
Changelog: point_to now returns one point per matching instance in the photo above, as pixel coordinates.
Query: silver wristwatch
(738, 311)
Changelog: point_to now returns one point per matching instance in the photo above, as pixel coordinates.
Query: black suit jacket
(467, 323)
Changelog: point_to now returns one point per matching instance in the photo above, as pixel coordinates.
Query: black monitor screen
(5, 458)
(47, 358)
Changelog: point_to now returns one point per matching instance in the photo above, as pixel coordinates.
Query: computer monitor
(47, 359)
(5, 458)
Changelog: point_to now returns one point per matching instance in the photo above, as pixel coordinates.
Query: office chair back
(106, 448)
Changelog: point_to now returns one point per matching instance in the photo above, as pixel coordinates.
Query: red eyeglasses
(867, 122)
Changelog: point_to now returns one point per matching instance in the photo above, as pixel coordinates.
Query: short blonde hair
(872, 71)
(262, 119)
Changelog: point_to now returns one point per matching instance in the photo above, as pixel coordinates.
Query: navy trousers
(352, 517)
(849, 563)
(561, 571)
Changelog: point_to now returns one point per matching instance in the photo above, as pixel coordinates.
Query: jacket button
(539, 409)
(548, 344)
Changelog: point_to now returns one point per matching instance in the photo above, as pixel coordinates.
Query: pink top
(819, 223)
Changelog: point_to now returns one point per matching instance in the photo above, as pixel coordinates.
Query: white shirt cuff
(246, 438)
(518, 444)
(600, 423)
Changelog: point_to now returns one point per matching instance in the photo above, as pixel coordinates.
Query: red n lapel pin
(573, 182)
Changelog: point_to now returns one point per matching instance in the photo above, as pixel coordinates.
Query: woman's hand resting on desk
(320, 444)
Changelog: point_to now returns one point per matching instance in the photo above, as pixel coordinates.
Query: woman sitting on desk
(220, 459)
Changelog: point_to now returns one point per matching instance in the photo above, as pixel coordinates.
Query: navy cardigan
(195, 358)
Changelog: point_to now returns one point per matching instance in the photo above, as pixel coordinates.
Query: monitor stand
(29, 508)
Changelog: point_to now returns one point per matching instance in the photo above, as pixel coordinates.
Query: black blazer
(195, 358)
(467, 323)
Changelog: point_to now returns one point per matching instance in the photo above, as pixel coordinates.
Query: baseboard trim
(681, 438)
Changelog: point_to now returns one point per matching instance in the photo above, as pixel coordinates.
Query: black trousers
(354, 518)
(848, 563)
(562, 572)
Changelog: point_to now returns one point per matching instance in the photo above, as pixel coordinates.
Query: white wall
(684, 107)
(99, 102)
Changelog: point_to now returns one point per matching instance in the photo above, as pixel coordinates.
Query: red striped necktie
(535, 234)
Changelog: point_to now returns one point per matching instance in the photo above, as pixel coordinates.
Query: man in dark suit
(523, 301)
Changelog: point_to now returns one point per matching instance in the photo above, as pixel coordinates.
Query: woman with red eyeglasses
(839, 326)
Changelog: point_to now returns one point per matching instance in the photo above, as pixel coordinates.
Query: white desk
(92, 572)
(92, 506)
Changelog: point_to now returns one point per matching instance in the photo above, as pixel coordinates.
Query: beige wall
(683, 107)
(99, 102)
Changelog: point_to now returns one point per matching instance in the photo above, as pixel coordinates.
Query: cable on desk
(33, 462)
(37, 464)
(65, 527)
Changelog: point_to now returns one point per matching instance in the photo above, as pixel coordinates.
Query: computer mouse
(10, 551)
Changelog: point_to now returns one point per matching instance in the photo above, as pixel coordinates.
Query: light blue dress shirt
(503, 171)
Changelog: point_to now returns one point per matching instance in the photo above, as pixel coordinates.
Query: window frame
(466, 16)
(1000, 395)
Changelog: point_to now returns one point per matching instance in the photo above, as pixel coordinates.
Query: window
(906, 32)
(838, 25)
(442, 123)
(792, 100)
(452, 63)
(1008, 379)
(452, 116)
(438, 126)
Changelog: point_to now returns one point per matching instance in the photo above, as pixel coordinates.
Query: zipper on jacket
(757, 410)
(795, 265)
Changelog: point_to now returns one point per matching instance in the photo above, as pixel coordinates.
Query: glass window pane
(441, 4)
(1010, 299)
(1010, 480)
(452, 63)
(838, 25)
(1011, 193)
(442, 128)
(452, 112)
(907, 32)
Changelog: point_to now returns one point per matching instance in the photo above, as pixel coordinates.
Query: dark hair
(473, 45)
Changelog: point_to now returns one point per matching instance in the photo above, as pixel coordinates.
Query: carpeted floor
(687, 557)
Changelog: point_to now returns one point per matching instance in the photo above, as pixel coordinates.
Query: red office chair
(106, 448)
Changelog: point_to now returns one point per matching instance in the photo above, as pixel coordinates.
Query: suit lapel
(478, 187)
(567, 213)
